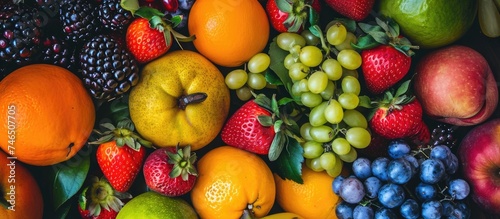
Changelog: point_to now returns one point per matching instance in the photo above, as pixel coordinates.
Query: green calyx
(183, 161)
(100, 195)
(158, 21)
(384, 32)
(393, 99)
(284, 126)
(299, 11)
(123, 134)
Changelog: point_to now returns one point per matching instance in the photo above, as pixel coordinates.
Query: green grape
(337, 169)
(311, 56)
(259, 63)
(317, 82)
(312, 149)
(286, 40)
(346, 44)
(329, 91)
(322, 133)
(332, 68)
(351, 84)
(354, 118)
(304, 131)
(295, 51)
(317, 115)
(296, 92)
(236, 79)
(328, 160)
(244, 93)
(334, 112)
(336, 34)
(341, 146)
(348, 100)
(314, 164)
(256, 81)
(358, 137)
(349, 157)
(298, 71)
(310, 38)
(310, 99)
(303, 85)
(289, 61)
(349, 59)
(347, 72)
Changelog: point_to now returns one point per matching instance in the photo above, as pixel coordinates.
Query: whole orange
(314, 199)
(228, 32)
(231, 180)
(19, 189)
(46, 114)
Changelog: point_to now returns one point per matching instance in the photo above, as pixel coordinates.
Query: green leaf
(277, 125)
(284, 5)
(276, 146)
(349, 24)
(265, 120)
(176, 20)
(403, 89)
(119, 110)
(289, 163)
(365, 42)
(148, 13)
(63, 211)
(365, 101)
(285, 100)
(277, 56)
(69, 177)
(274, 106)
(380, 37)
(313, 16)
(272, 78)
(316, 31)
(368, 28)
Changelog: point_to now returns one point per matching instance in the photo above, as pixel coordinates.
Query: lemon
(431, 23)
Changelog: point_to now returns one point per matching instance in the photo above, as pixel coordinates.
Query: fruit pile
(248, 109)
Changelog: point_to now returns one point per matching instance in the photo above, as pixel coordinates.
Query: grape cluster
(244, 81)
(325, 81)
(418, 183)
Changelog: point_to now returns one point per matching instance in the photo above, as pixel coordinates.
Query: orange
(314, 199)
(46, 114)
(231, 180)
(228, 32)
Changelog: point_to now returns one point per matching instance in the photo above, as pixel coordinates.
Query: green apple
(152, 205)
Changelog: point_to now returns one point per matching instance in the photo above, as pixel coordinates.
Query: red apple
(479, 154)
(455, 85)
(20, 196)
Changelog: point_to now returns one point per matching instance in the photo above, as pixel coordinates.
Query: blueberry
(186, 4)
(431, 171)
(372, 185)
(362, 212)
(361, 168)
(336, 184)
(448, 207)
(352, 190)
(384, 213)
(398, 148)
(410, 209)
(344, 210)
(432, 209)
(458, 189)
(425, 192)
(413, 161)
(399, 171)
(379, 168)
(452, 166)
(440, 152)
(391, 195)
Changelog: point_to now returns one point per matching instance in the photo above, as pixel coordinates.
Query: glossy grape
(362, 212)
(334, 113)
(425, 192)
(310, 38)
(337, 169)
(322, 133)
(398, 148)
(312, 149)
(236, 79)
(384, 213)
(352, 190)
(344, 210)
(298, 71)
(336, 34)
(350, 156)
(286, 40)
(317, 114)
(256, 81)
(410, 209)
(337, 181)
(346, 44)
(289, 61)
(317, 82)
(354, 118)
(372, 186)
(458, 189)
(329, 91)
(304, 131)
(399, 171)
(379, 168)
(341, 146)
(259, 63)
(244, 93)
(348, 100)
(351, 84)
(431, 171)
(361, 168)
(311, 56)
(332, 68)
(311, 99)
(358, 137)
(391, 195)
(349, 59)
(328, 160)
(314, 164)
(432, 209)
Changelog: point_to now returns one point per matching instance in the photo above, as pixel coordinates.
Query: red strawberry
(354, 9)
(291, 17)
(120, 154)
(246, 131)
(422, 135)
(100, 201)
(170, 171)
(383, 66)
(396, 115)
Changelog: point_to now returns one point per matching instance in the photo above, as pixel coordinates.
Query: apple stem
(191, 98)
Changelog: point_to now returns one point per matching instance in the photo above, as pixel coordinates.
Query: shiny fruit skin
(227, 184)
(144, 42)
(154, 107)
(154, 205)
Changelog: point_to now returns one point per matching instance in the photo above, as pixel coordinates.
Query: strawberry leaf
(265, 121)
(285, 100)
(368, 28)
(365, 101)
(403, 88)
(284, 5)
(289, 163)
(277, 125)
(365, 42)
(313, 16)
(272, 78)
(276, 146)
(277, 56)
(148, 13)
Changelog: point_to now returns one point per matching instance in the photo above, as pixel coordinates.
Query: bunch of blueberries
(419, 183)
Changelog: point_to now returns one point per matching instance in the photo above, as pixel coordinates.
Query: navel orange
(46, 114)
(228, 32)
(314, 199)
(231, 180)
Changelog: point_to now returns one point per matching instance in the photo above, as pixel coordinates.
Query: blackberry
(443, 134)
(49, 11)
(113, 16)
(107, 68)
(79, 19)
(58, 52)
(20, 34)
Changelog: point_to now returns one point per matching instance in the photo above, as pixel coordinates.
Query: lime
(152, 205)
(431, 23)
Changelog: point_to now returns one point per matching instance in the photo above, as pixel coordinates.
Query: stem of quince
(191, 98)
